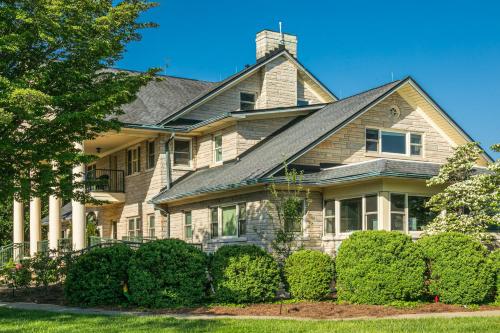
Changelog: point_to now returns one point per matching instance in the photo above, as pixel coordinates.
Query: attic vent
(394, 112)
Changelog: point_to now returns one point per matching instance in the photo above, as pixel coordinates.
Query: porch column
(18, 232)
(384, 213)
(35, 224)
(78, 210)
(54, 221)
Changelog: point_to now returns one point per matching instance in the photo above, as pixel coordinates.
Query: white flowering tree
(470, 201)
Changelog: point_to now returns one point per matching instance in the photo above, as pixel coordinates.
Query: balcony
(106, 185)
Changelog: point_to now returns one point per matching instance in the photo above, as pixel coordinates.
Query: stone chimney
(268, 41)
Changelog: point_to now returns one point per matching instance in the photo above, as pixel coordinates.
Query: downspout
(168, 170)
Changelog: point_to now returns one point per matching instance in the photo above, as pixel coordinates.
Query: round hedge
(495, 260)
(97, 277)
(244, 274)
(460, 272)
(166, 273)
(379, 267)
(309, 274)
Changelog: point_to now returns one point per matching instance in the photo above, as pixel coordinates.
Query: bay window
(397, 211)
(371, 212)
(418, 214)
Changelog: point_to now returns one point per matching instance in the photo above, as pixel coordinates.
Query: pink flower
(19, 266)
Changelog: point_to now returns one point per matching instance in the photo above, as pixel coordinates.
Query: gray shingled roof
(266, 158)
(65, 213)
(159, 99)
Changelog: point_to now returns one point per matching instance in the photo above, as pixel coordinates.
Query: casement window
(182, 152)
(134, 227)
(371, 212)
(398, 204)
(218, 148)
(151, 154)
(247, 101)
(151, 226)
(188, 225)
(360, 213)
(330, 217)
(302, 102)
(393, 142)
(133, 160)
(295, 218)
(228, 221)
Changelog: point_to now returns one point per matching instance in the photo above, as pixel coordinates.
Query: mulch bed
(317, 310)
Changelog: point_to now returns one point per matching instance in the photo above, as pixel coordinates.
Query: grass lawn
(37, 321)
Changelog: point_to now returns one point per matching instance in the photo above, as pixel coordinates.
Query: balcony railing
(105, 180)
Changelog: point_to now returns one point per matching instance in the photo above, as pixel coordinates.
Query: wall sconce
(98, 150)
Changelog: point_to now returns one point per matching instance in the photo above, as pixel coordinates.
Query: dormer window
(302, 102)
(247, 101)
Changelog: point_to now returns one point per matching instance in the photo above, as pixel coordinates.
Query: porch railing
(14, 252)
(138, 239)
(105, 180)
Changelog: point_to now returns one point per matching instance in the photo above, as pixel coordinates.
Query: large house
(194, 158)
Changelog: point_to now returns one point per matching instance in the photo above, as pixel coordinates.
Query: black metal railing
(105, 180)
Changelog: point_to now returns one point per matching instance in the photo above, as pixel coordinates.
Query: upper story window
(218, 148)
(151, 154)
(133, 160)
(393, 142)
(302, 102)
(182, 152)
(247, 101)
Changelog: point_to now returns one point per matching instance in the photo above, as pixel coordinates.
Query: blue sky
(452, 48)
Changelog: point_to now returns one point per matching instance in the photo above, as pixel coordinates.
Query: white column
(18, 234)
(35, 224)
(78, 210)
(54, 221)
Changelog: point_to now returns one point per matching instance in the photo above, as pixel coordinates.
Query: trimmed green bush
(97, 277)
(379, 267)
(309, 274)
(459, 269)
(495, 260)
(167, 273)
(244, 274)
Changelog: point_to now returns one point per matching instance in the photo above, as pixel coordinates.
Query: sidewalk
(93, 311)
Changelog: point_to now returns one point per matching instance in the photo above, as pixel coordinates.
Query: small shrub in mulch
(244, 274)
(309, 274)
(379, 267)
(460, 271)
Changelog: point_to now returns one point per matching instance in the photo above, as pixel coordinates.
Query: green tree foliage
(309, 274)
(379, 267)
(167, 273)
(98, 276)
(459, 269)
(470, 201)
(45, 267)
(55, 88)
(244, 274)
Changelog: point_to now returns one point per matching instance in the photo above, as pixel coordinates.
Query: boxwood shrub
(379, 267)
(495, 260)
(97, 277)
(309, 274)
(459, 269)
(167, 273)
(244, 274)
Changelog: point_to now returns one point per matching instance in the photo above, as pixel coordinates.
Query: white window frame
(414, 144)
(330, 216)
(363, 212)
(137, 230)
(184, 215)
(219, 220)
(215, 148)
(153, 235)
(254, 103)
(180, 166)
(407, 142)
(148, 154)
(405, 212)
(135, 162)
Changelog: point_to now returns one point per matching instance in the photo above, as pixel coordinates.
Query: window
(218, 148)
(371, 212)
(351, 215)
(302, 102)
(229, 226)
(114, 231)
(397, 211)
(182, 152)
(151, 154)
(151, 226)
(371, 140)
(133, 160)
(134, 227)
(295, 215)
(418, 215)
(393, 142)
(242, 219)
(214, 221)
(188, 225)
(415, 144)
(330, 217)
(247, 101)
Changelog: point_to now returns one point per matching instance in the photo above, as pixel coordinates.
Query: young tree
(289, 203)
(470, 202)
(55, 86)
